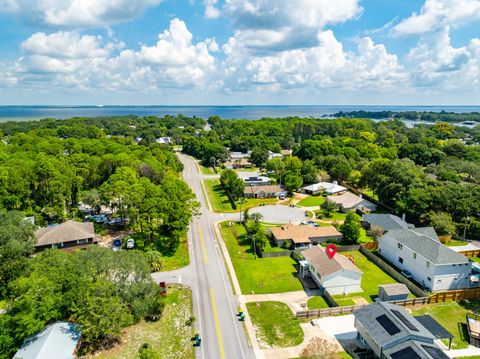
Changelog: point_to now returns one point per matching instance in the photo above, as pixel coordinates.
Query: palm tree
(256, 217)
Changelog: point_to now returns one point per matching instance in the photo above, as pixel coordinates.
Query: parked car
(406, 274)
(117, 244)
(281, 196)
(130, 243)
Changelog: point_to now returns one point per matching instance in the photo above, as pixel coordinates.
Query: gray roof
(395, 289)
(65, 232)
(424, 241)
(58, 340)
(367, 317)
(386, 221)
(318, 258)
(418, 348)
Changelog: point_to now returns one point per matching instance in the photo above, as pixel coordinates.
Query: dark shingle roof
(386, 221)
(367, 317)
(424, 241)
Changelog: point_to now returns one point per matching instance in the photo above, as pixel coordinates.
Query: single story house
(301, 236)
(257, 181)
(272, 155)
(386, 222)
(327, 187)
(164, 140)
(430, 263)
(337, 275)
(264, 192)
(351, 202)
(241, 163)
(390, 332)
(286, 153)
(58, 340)
(394, 291)
(239, 155)
(66, 235)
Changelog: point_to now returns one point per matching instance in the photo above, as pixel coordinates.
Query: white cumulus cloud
(77, 13)
(437, 14)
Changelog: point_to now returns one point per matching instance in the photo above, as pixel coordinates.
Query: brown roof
(266, 189)
(318, 258)
(294, 233)
(349, 200)
(65, 232)
(241, 162)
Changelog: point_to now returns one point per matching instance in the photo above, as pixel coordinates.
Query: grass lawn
(475, 259)
(311, 201)
(454, 243)
(261, 275)
(221, 203)
(334, 216)
(207, 170)
(363, 237)
(179, 259)
(169, 337)
(317, 302)
(274, 324)
(451, 315)
(372, 277)
(3, 304)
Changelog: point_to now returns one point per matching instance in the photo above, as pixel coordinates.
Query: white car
(130, 243)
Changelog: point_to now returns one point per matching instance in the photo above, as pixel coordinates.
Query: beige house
(304, 236)
(264, 192)
(351, 202)
(66, 235)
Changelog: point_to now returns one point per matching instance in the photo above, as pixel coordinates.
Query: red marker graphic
(331, 250)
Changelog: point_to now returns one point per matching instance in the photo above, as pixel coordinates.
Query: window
(57, 245)
(414, 255)
(400, 259)
(399, 245)
(429, 279)
(82, 241)
(439, 281)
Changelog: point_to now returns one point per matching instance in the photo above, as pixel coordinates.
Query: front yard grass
(207, 170)
(334, 216)
(317, 302)
(373, 276)
(220, 202)
(451, 315)
(453, 243)
(261, 275)
(311, 201)
(275, 326)
(475, 259)
(170, 336)
(179, 259)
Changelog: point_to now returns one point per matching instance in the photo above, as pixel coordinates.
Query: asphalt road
(215, 305)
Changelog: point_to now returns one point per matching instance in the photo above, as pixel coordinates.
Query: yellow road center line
(203, 244)
(217, 324)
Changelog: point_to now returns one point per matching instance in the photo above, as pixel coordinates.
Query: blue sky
(414, 52)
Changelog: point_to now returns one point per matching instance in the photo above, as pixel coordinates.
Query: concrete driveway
(341, 327)
(280, 214)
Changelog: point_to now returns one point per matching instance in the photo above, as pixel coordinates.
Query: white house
(164, 140)
(337, 275)
(327, 187)
(419, 251)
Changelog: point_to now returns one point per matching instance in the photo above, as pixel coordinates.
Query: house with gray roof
(386, 222)
(337, 275)
(58, 340)
(419, 251)
(390, 332)
(70, 234)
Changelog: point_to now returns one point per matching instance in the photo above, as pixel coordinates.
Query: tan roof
(295, 233)
(65, 232)
(349, 200)
(318, 258)
(286, 152)
(241, 162)
(395, 288)
(266, 189)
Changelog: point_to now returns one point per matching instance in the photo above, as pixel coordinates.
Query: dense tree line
(426, 116)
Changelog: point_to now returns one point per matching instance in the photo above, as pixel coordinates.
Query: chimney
(403, 217)
(335, 182)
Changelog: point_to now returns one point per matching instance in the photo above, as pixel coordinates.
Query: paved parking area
(341, 327)
(280, 214)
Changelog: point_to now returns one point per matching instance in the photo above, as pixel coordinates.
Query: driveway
(341, 327)
(280, 214)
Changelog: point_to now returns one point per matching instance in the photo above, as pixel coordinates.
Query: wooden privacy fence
(441, 297)
(471, 254)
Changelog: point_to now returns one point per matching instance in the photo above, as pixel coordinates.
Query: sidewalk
(460, 353)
